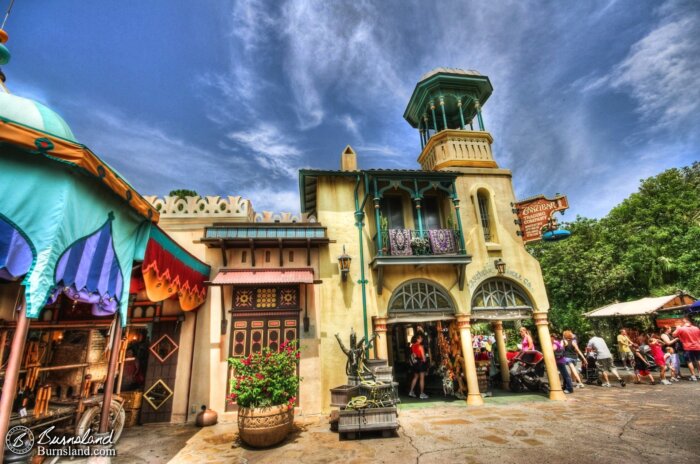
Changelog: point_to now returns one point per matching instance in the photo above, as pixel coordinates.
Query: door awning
(264, 276)
(169, 270)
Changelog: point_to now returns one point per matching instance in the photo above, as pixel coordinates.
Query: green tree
(182, 193)
(647, 245)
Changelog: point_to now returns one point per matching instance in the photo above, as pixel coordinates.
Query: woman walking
(657, 352)
(419, 366)
(572, 353)
(527, 343)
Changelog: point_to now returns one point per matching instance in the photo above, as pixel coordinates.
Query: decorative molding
(214, 206)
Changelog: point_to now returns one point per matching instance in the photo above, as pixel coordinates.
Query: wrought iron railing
(413, 242)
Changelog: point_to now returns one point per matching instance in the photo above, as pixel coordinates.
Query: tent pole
(9, 388)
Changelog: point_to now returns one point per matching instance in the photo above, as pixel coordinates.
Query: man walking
(689, 336)
(624, 348)
(604, 359)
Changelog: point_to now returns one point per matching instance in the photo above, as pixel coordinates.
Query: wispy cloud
(660, 71)
(271, 147)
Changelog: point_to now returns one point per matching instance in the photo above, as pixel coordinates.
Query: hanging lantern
(500, 266)
(344, 264)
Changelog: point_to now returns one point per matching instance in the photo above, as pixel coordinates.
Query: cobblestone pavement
(640, 423)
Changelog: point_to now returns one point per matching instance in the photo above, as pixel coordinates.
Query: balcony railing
(412, 242)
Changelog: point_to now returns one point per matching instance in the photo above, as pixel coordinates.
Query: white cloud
(342, 48)
(271, 147)
(274, 199)
(351, 125)
(660, 71)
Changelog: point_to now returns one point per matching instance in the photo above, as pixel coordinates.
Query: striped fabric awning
(264, 276)
(89, 272)
(15, 253)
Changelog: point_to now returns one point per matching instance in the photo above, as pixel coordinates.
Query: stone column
(465, 334)
(555, 391)
(502, 358)
(381, 349)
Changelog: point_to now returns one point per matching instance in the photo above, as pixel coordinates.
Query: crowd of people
(666, 350)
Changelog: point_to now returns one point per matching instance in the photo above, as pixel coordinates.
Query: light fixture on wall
(500, 266)
(344, 264)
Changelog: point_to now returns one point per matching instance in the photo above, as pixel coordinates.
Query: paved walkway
(640, 423)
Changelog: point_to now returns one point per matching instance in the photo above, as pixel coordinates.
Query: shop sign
(670, 319)
(536, 212)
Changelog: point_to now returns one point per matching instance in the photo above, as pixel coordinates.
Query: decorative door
(263, 317)
(157, 405)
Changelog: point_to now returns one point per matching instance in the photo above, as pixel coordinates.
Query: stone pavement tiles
(640, 423)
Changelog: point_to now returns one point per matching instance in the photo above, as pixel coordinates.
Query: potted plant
(265, 386)
(420, 246)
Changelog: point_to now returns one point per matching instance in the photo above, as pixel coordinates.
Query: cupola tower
(446, 109)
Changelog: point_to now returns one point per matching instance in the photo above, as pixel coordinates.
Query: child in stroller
(591, 370)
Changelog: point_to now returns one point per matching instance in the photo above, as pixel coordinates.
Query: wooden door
(157, 403)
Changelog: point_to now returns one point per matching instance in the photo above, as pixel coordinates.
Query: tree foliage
(182, 193)
(649, 245)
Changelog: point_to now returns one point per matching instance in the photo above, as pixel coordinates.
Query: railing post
(444, 116)
(378, 219)
(455, 202)
(477, 105)
(432, 110)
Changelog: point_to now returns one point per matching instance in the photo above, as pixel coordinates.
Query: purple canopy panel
(89, 272)
(15, 253)
(442, 241)
(400, 242)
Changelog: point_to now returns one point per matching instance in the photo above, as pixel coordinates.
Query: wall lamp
(344, 264)
(500, 266)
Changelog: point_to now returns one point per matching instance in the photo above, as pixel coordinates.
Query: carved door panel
(157, 403)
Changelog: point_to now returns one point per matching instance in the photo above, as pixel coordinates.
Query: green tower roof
(453, 86)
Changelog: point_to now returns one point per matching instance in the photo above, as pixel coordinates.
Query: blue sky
(232, 98)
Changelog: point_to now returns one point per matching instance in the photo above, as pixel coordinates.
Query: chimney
(348, 159)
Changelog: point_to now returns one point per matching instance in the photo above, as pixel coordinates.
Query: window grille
(500, 294)
(420, 296)
(485, 217)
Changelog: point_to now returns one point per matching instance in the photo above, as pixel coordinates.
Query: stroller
(591, 371)
(527, 372)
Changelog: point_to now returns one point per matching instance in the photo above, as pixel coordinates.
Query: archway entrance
(423, 306)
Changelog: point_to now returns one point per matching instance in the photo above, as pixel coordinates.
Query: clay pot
(206, 417)
(263, 427)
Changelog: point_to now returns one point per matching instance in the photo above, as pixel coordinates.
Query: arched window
(500, 299)
(486, 216)
(420, 296)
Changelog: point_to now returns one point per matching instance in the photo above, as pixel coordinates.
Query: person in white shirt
(604, 362)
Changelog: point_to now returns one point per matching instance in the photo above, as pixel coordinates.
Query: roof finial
(7, 14)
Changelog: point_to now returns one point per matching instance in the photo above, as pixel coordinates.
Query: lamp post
(344, 264)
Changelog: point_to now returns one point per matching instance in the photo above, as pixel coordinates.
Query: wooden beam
(224, 254)
(308, 252)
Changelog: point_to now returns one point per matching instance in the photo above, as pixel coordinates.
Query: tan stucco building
(438, 243)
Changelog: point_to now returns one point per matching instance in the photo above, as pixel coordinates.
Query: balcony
(412, 247)
(413, 242)
(458, 148)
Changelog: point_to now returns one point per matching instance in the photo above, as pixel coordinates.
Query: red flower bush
(268, 378)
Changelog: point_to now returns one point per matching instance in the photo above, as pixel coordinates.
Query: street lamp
(500, 266)
(344, 264)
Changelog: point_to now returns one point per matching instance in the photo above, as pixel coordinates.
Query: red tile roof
(264, 276)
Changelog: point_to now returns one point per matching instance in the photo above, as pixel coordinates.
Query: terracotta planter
(263, 427)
